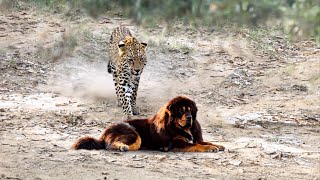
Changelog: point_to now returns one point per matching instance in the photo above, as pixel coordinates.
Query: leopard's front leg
(135, 84)
(117, 88)
(125, 92)
(112, 70)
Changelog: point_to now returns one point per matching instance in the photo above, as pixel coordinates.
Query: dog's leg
(119, 146)
(166, 148)
(197, 136)
(181, 145)
(127, 142)
(221, 148)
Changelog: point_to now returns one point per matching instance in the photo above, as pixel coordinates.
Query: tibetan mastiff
(173, 128)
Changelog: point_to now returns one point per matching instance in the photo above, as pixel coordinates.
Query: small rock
(300, 88)
(277, 156)
(61, 104)
(163, 158)
(136, 166)
(269, 151)
(302, 161)
(281, 155)
(235, 162)
(252, 144)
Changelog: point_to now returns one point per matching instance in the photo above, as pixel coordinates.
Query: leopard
(127, 59)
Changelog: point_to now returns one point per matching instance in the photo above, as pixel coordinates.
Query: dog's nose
(189, 121)
(188, 124)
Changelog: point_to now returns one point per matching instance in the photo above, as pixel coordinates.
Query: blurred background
(299, 19)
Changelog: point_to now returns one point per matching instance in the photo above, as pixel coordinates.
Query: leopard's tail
(89, 143)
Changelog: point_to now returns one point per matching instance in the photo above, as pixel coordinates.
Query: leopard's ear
(121, 46)
(144, 44)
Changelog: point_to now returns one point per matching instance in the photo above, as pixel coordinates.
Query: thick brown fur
(174, 127)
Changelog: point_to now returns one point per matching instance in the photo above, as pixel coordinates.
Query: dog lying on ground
(173, 128)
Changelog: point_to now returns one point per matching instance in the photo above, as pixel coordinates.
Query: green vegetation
(299, 18)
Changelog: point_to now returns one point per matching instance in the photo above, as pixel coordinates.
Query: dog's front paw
(212, 149)
(123, 148)
(164, 149)
(221, 148)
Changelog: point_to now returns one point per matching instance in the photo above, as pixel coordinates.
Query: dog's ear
(173, 106)
(194, 110)
(173, 109)
(169, 107)
(163, 119)
(168, 118)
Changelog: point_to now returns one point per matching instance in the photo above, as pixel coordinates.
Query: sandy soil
(258, 96)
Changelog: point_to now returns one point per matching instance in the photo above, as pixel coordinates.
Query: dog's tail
(89, 143)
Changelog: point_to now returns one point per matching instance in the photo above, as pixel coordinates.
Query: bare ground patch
(54, 88)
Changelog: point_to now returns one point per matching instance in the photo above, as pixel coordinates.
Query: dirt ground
(257, 95)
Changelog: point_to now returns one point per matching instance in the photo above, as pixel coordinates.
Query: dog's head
(178, 116)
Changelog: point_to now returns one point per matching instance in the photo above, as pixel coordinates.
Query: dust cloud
(80, 78)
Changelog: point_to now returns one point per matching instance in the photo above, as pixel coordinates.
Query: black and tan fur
(174, 127)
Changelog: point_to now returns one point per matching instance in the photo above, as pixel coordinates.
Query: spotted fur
(127, 58)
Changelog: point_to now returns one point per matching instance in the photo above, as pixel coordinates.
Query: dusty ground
(257, 94)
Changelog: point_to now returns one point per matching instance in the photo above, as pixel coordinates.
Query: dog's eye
(181, 112)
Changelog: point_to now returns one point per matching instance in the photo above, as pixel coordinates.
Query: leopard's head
(133, 53)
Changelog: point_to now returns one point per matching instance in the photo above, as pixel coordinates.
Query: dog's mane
(161, 132)
(162, 118)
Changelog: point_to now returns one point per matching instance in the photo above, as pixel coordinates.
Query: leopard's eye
(130, 60)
